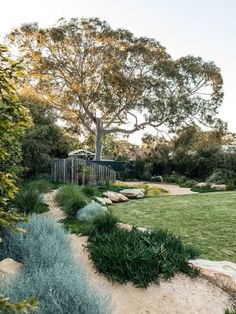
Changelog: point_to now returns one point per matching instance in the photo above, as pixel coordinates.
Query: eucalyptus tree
(107, 81)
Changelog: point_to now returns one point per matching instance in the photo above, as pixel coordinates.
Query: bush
(140, 257)
(103, 224)
(188, 184)
(30, 200)
(70, 198)
(90, 190)
(157, 179)
(203, 189)
(50, 272)
(42, 185)
(222, 176)
(89, 212)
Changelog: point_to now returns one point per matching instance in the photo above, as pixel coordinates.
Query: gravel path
(54, 210)
(181, 295)
(173, 189)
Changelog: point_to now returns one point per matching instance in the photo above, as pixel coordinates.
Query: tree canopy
(109, 81)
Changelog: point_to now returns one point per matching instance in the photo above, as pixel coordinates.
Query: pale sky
(205, 28)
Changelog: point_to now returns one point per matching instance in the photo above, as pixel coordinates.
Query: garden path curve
(173, 189)
(181, 294)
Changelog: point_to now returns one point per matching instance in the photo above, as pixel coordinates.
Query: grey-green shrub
(90, 212)
(50, 272)
(222, 176)
(71, 199)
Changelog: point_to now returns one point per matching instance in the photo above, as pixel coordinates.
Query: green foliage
(25, 307)
(170, 91)
(30, 200)
(44, 140)
(188, 184)
(222, 176)
(13, 122)
(50, 271)
(203, 189)
(90, 190)
(231, 310)
(103, 224)
(90, 212)
(42, 185)
(71, 199)
(75, 226)
(140, 257)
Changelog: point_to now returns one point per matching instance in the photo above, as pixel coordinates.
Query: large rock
(115, 197)
(219, 187)
(103, 201)
(201, 184)
(9, 267)
(133, 193)
(222, 274)
(130, 227)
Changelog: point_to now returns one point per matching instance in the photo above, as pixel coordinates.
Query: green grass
(206, 221)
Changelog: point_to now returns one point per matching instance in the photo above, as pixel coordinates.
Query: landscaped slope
(206, 221)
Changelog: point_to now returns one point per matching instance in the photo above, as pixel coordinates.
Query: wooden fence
(80, 171)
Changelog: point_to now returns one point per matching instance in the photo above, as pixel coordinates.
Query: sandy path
(181, 295)
(172, 189)
(54, 210)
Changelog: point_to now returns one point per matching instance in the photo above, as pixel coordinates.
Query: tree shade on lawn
(206, 221)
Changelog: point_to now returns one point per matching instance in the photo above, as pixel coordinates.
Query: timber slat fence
(80, 171)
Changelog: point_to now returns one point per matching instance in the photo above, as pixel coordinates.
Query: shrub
(42, 185)
(222, 176)
(188, 184)
(203, 189)
(157, 179)
(70, 199)
(140, 257)
(103, 224)
(89, 212)
(30, 200)
(90, 190)
(50, 272)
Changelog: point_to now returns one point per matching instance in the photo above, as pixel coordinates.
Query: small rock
(9, 267)
(130, 227)
(103, 200)
(115, 197)
(133, 193)
(222, 274)
(219, 187)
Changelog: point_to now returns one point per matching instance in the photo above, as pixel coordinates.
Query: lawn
(206, 221)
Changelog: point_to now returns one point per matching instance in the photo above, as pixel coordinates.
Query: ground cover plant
(50, 272)
(139, 257)
(206, 220)
(148, 190)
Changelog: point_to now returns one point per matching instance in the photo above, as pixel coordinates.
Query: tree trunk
(99, 137)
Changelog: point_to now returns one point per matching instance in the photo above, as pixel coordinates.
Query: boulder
(133, 193)
(9, 267)
(222, 274)
(115, 197)
(103, 201)
(130, 227)
(219, 187)
(201, 184)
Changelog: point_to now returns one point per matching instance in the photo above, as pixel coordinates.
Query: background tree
(113, 82)
(43, 140)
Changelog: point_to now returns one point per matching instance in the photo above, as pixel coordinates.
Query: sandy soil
(172, 189)
(180, 295)
(54, 211)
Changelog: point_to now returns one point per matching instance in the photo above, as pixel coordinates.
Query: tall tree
(111, 81)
